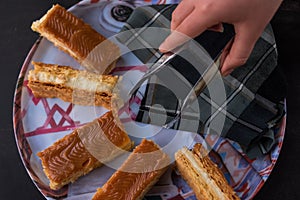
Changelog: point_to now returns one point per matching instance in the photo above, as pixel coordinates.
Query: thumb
(240, 50)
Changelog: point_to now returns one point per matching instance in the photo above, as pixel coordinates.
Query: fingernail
(221, 30)
(227, 72)
(162, 48)
(218, 28)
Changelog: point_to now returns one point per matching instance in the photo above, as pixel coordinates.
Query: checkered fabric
(254, 93)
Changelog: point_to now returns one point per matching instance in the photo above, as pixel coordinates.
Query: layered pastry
(202, 175)
(71, 85)
(77, 38)
(83, 150)
(141, 170)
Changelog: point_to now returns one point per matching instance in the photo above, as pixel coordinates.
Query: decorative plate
(38, 122)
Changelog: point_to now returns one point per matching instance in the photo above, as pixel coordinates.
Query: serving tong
(205, 78)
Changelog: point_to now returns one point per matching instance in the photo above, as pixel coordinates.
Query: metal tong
(158, 65)
(195, 91)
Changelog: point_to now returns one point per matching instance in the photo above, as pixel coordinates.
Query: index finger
(183, 9)
(192, 26)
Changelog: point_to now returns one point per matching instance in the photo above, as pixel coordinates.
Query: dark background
(16, 39)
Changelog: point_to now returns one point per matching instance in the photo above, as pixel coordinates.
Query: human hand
(249, 18)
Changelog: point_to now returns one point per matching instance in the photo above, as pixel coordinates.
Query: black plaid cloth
(255, 92)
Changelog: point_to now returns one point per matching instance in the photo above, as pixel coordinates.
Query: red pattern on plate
(245, 175)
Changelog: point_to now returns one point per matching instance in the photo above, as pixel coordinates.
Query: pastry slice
(72, 85)
(202, 175)
(77, 38)
(83, 150)
(137, 175)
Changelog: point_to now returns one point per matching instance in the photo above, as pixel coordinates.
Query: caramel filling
(72, 32)
(130, 185)
(77, 38)
(70, 155)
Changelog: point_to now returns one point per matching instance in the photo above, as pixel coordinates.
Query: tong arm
(158, 65)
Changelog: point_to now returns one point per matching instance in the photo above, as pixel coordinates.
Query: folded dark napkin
(254, 93)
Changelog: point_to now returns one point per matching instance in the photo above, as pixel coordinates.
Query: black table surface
(17, 39)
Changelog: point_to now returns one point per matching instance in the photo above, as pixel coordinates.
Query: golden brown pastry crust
(136, 175)
(72, 85)
(202, 175)
(77, 38)
(70, 158)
